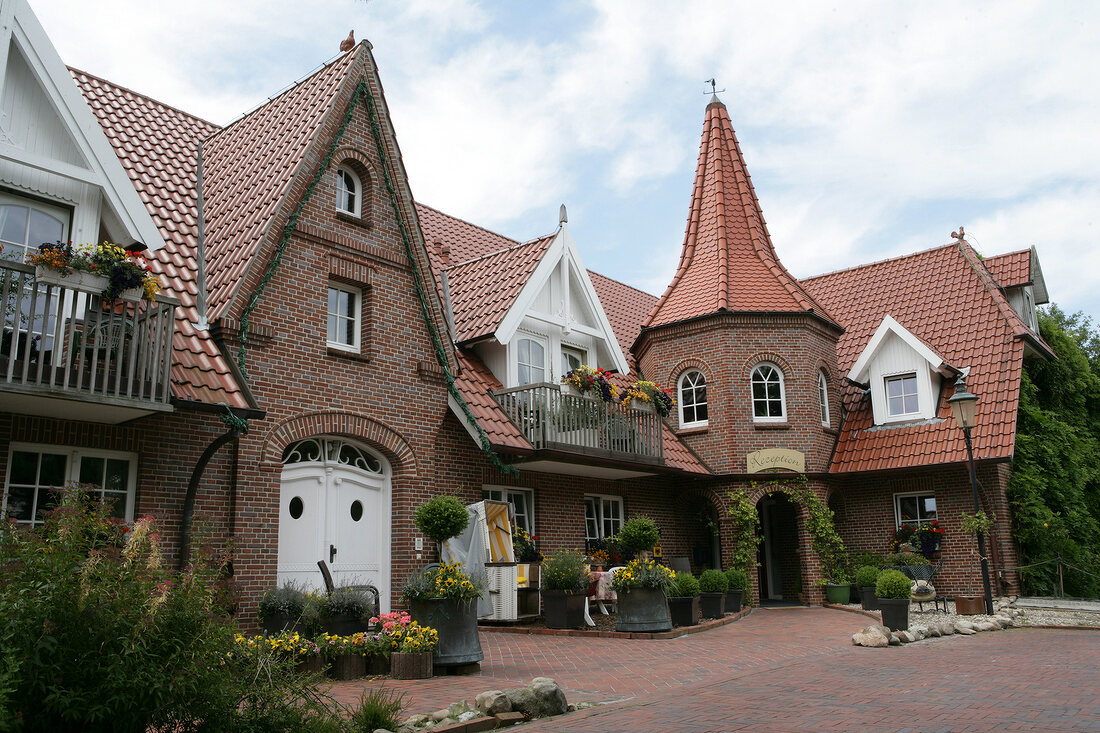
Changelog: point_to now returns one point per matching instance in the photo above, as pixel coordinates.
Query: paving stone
(511, 718)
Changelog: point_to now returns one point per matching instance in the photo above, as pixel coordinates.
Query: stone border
(674, 634)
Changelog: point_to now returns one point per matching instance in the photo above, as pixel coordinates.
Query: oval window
(356, 510)
(296, 507)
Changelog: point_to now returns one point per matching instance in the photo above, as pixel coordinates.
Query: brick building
(380, 351)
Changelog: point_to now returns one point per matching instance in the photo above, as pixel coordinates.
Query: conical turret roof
(728, 261)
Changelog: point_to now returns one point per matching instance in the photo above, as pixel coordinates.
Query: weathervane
(713, 83)
(959, 235)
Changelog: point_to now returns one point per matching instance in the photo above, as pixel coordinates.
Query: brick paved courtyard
(793, 669)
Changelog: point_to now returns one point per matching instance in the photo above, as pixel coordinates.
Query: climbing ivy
(745, 532)
(824, 539)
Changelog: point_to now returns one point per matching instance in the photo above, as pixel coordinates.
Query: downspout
(237, 426)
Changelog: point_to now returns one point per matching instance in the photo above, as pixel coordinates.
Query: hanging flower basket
(85, 282)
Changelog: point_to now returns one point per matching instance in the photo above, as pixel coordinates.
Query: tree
(1054, 491)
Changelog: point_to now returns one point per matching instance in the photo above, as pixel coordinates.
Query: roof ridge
(470, 223)
(74, 70)
(289, 88)
(496, 252)
(865, 265)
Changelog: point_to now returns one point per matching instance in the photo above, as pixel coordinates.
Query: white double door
(339, 514)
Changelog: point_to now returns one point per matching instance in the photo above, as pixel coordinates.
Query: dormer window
(768, 403)
(902, 396)
(530, 361)
(349, 191)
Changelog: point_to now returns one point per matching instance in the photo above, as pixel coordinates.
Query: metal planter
(456, 622)
(643, 609)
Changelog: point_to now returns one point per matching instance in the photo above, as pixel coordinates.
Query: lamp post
(964, 407)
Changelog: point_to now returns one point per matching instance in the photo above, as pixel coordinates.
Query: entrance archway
(703, 538)
(334, 505)
(780, 571)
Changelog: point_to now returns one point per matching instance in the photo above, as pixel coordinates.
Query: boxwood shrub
(685, 585)
(441, 518)
(713, 581)
(892, 584)
(737, 579)
(866, 576)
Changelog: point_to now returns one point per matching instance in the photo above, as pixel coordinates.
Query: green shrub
(378, 708)
(84, 588)
(907, 558)
(892, 584)
(737, 578)
(866, 576)
(638, 534)
(441, 518)
(564, 570)
(874, 559)
(684, 585)
(713, 581)
(287, 599)
(448, 580)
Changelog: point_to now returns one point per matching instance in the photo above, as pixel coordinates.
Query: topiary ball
(713, 581)
(638, 534)
(441, 518)
(892, 584)
(685, 585)
(737, 578)
(866, 576)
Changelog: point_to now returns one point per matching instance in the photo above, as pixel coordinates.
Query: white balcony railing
(550, 419)
(62, 341)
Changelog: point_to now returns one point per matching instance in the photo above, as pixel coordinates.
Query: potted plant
(441, 518)
(866, 576)
(411, 646)
(838, 589)
(738, 582)
(638, 535)
(564, 584)
(713, 585)
(642, 604)
(585, 380)
(345, 611)
(973, 604)
(281, 609)
(288, 644)
(345, 655)
(445, 598)
(892, 588)
(645, 395)
(683, 600)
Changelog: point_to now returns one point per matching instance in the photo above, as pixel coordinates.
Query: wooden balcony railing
(552, 420)
(61, 341)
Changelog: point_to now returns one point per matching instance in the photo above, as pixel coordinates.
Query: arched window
(768, 403)
(26, 224)
(693, 399)
(530, 361)
(348, 191)
(823, 395)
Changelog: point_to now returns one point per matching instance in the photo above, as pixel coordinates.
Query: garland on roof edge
(291, 225)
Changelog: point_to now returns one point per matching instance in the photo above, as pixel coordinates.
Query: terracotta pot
(411, 665)
(970, 605)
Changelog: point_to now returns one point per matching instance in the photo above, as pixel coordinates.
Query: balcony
(554, 421)
(66, 354)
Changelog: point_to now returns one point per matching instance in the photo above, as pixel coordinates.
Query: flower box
(411, 665)
(85, 282)
(348, 667)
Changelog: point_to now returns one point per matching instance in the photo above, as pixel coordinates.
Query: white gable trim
(859, 370)
(562, 252)
(19, 25)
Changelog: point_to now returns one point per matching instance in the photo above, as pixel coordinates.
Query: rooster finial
(348, 43)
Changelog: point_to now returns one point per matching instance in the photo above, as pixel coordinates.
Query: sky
(870, 129)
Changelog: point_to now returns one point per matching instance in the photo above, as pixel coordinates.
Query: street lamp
(964, 407)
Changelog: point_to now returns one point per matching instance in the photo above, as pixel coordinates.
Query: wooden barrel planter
(456, 622)
(411, 665)
(643, 609)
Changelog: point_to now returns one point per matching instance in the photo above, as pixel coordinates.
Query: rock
(922, 632)
(946, 628)
(989, 626)
(492, 702)
(964, 627)
(440, 715)
(382, 730)
(894, 640)
(458, 708)
(540, 699)
(1004, 621)
(871, 636)
(468, 715)
(416, 721)
(965, 624)
(935, 631)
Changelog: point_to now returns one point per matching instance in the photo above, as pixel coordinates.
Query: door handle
(331, 553)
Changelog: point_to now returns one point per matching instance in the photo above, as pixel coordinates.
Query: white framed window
(530, 361)
(349, 191)
(693, 399)
(914, 509)
(603, 516)
(522, 501)
(37, 474)
(25, 224)
(901, 395)
(344, 309)
(823, 396)
(571, 358)
(768, 403)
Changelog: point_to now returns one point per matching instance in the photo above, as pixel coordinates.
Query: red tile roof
(484, 288)
(626, 309)
(944, 297)
(1011, 269)
(157, 145)
(728, 262)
